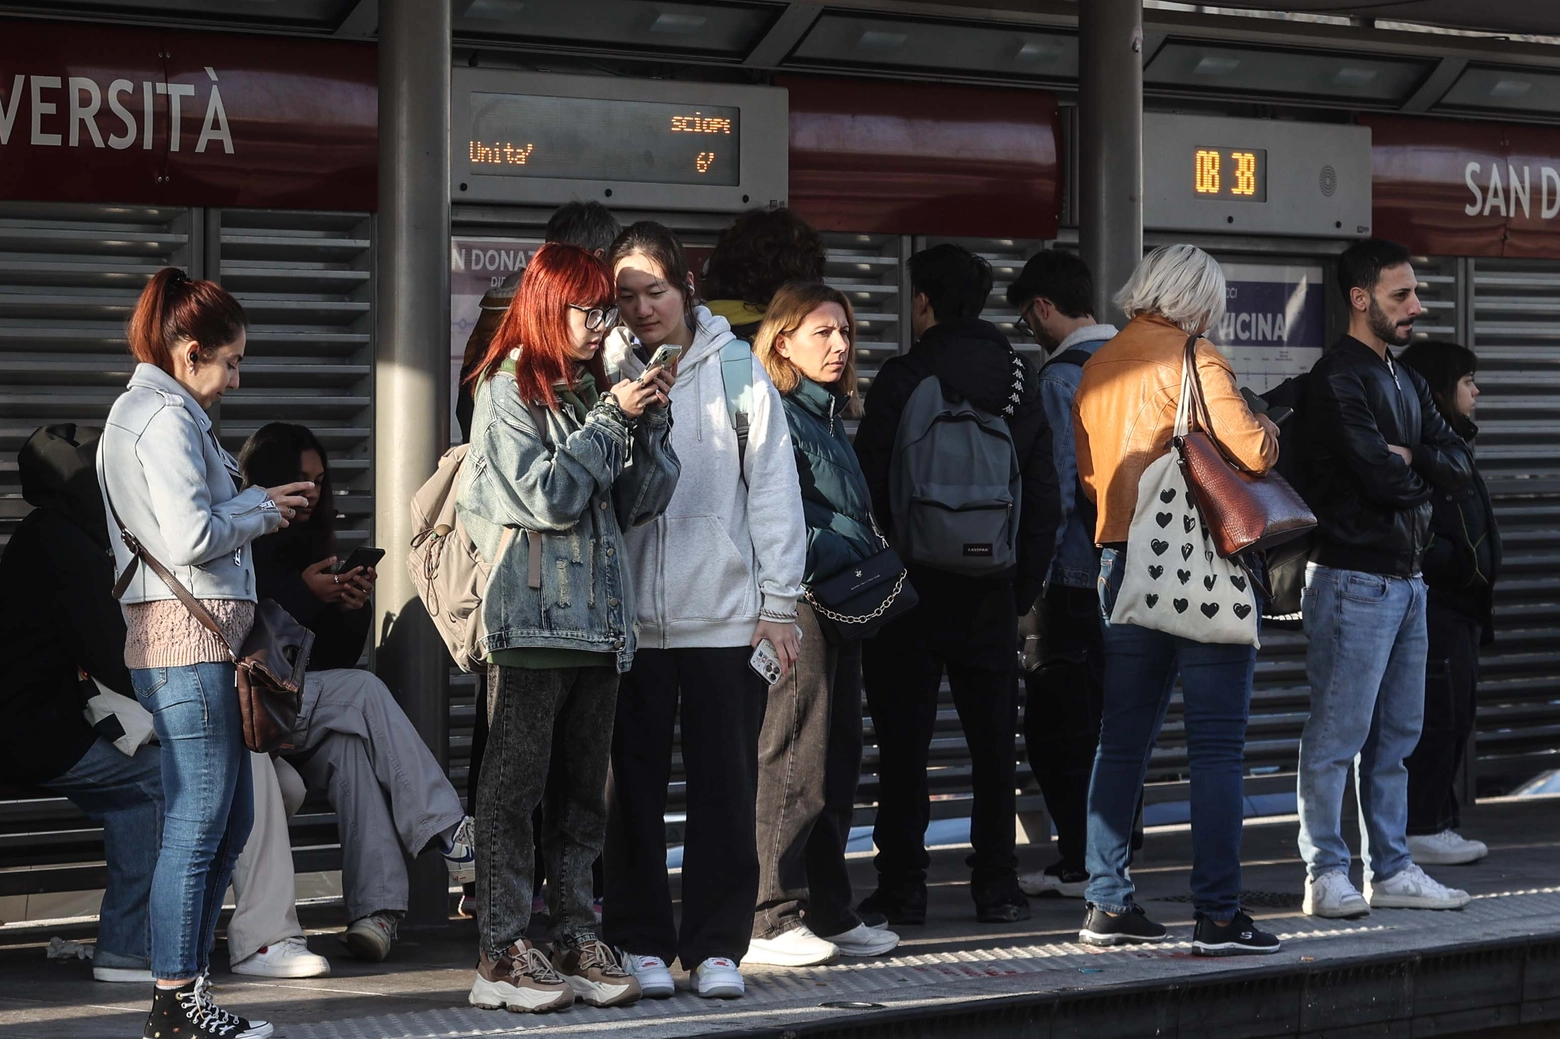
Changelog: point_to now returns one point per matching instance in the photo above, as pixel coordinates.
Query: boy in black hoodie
(966, 625)
(58, 620)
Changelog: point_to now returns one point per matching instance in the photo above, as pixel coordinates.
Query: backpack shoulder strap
(1073, 356)
(736, 374)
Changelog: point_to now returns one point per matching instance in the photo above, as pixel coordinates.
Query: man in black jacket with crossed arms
(1376, 448)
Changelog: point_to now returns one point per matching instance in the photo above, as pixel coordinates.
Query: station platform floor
(1483, 970)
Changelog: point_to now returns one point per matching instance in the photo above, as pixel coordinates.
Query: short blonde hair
(1179, 283)
(784, 316)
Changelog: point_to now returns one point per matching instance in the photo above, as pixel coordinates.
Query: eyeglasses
(1022, 322)
(597, 318)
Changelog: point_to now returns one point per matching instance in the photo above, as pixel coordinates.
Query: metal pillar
(411, 372)
(1110, 145)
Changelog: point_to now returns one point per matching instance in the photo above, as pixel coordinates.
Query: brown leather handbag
(271, 662)
(1243, 512)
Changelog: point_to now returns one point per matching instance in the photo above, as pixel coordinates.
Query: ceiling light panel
(1254, 71)
(841, 41)
(1513, 90)
(727, 29)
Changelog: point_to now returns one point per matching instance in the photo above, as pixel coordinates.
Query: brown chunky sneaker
(521, 980)
(594, 973)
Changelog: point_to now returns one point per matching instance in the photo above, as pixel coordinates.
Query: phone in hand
(765, 662)
(664, 356)
(362, 556)
(1277, 414)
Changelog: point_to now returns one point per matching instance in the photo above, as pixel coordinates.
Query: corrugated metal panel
(869, 269)
(1516, 333)
(306, 282)
(69, 279)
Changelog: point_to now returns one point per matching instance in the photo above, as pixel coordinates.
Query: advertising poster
(476, 265)
(1274, 322)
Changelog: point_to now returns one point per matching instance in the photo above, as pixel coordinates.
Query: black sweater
(280, 560)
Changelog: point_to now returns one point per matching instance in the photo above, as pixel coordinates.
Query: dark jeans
(968, 628)
(809, 760)
(1140, 672)
(720, 703)
(1451, 700)
(548, 729)
(1062, 706)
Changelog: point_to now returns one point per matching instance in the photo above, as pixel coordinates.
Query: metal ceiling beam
(1436, 85)
(781, 39)
(362, 22)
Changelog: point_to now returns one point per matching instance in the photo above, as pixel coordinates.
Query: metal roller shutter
(306, 282)
(69, 279)
(869, 270)
(1515, 326)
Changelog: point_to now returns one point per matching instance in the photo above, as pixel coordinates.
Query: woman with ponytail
(171, 487)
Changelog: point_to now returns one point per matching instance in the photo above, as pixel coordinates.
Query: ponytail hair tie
(178, 277)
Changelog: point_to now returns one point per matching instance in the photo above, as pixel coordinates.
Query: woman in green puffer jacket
(810, 749)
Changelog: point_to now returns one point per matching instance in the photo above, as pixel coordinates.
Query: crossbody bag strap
(138, 553)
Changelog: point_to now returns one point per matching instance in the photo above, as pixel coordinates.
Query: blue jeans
(1140, 670)
(209, 807)
(1366, 666)
(124, 795)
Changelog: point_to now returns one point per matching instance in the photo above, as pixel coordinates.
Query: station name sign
(115, 114)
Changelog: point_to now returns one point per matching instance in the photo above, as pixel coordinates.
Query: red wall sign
(1453, 188)
(98, 113)
(923, 158)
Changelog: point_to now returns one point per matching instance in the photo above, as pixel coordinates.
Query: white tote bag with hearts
(1174, 581)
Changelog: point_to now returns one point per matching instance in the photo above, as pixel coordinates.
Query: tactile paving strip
(938, 978)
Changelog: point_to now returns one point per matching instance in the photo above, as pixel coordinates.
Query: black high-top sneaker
(242, 1029)
(179, 1013)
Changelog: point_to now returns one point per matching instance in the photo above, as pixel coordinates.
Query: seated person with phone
(352, 738)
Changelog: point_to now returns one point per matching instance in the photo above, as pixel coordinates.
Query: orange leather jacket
(1124, 415)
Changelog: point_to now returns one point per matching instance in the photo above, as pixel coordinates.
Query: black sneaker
(897, 907)
(998, 900)
(1240, 937)
(185, 1013)
(1133, 926)
(242, 1028)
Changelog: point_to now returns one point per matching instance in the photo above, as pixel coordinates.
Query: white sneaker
(288, 958)
(798, 947)
(862, 940)
(654, 977)
(1332, 896)
(369, 938)
(460, 853)
(1053, 880)
(1410, 888)
(718, 978)
(1447, 848)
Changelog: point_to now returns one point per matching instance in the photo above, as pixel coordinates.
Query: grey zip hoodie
(724, 553)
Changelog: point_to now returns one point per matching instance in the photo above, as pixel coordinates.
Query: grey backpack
(954, 485)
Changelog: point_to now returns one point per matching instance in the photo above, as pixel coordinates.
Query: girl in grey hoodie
(719, 572)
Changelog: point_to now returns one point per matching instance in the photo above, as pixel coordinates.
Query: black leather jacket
(1373, 510)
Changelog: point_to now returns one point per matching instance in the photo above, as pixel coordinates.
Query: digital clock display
(1232, 174)
(581, 138)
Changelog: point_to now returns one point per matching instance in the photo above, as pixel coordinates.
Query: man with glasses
(1062, 641)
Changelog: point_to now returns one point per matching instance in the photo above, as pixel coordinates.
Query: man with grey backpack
(956, 450)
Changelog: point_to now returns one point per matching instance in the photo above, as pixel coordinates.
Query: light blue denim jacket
(175, 488)
(572, 487)
(1076, 562)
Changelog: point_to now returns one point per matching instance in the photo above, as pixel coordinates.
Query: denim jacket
(1076, 562)
(570, 489)
(176, 489)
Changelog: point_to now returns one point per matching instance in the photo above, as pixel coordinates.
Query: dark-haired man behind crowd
(1064, 650)
(1376, 449)
(761, 251)
(966, 625)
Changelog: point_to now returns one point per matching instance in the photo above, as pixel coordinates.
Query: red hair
(537, 322)
(172, 307)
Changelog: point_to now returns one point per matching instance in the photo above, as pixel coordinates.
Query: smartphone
(765, 662)
(362, 556)
(1257, 405)
(664, 356)
(1277, 414)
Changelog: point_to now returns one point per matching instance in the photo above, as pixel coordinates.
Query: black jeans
(1064, 697)
(1451, 700)
(969, 628)
(548, 729)
(809, 761)
(720, 703)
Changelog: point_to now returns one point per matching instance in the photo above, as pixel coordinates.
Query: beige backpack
(449, 573)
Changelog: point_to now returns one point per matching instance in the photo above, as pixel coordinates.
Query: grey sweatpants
(354, 741)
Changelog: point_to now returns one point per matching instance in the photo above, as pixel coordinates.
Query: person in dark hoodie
(1461, 564)
(966, 625)
(58, 621)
